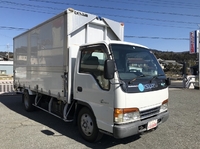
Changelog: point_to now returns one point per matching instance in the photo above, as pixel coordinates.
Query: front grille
(149, 113)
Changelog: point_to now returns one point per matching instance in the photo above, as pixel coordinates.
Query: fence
(6, 86)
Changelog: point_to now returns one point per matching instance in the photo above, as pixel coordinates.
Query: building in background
(6, 68)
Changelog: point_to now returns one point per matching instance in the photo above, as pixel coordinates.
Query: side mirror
(109, 69)
(168, 81)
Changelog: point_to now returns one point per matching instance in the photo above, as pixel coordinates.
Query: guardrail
(6, 86)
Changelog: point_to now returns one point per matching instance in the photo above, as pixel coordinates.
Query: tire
(28, 101)
(87, 126)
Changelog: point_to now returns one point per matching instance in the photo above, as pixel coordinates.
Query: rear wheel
(28, 101)
(87, 125)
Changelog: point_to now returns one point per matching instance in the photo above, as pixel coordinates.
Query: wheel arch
(79, 106)
(85, 116)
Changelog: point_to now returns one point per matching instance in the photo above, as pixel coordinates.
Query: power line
(127, 36)
(114, 8)
(160, 25)
(29, 5)
(175, 3)
(166, 2)
(165, 38)
(160, 20)
(150, 3)
(12, 28)
(26, 10)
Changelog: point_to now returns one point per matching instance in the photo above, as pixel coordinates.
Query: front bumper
(130, 129)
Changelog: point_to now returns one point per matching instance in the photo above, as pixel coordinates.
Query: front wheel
(87, 125)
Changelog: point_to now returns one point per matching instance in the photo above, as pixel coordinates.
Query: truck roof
(116, 42)
(75, 22)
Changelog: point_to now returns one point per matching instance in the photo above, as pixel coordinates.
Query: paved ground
(40, 130)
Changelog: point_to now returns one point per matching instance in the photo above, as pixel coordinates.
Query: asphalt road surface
(40, 130)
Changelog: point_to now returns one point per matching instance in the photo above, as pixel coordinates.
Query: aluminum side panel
(39, 58)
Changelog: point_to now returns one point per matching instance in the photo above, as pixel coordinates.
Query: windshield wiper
(155, 77)
(136, 78)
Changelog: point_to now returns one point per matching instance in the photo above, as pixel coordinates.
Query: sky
(163, 25)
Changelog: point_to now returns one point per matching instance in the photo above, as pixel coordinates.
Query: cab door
(91, 87)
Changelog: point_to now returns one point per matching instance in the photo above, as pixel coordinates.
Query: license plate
(152, 124)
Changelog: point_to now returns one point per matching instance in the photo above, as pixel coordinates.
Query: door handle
(80, 89)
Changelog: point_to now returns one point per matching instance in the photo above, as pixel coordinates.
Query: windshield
(133, 62)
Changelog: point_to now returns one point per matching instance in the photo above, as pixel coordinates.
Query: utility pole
(199, 60)
(198, 53)
(8, 50)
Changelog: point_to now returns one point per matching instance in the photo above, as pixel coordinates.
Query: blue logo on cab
(141, 87)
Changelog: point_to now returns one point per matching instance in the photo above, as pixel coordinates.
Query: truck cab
(123, 85)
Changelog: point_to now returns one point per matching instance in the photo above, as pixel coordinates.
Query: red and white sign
(192, 42)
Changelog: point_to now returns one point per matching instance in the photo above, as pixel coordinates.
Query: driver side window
(92, 62)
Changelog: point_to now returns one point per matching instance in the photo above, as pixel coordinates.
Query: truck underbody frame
(51, 105)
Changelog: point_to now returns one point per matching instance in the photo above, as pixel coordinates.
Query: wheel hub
(84, 124)
(87, 125)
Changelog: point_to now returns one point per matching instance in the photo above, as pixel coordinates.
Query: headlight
(126, 115)
(164, 106)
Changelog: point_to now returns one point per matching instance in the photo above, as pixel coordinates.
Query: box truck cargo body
(77, 67)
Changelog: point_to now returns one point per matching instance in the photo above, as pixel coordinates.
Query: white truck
(76, 67)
